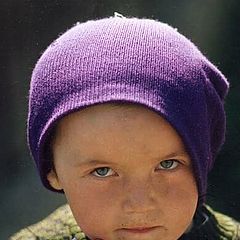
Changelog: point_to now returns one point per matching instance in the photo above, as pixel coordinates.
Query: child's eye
(169, 164)
(101, 172)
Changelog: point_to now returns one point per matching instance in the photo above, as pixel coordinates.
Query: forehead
(124, 106)
(115, 113)
(117, 133)
(117, 120)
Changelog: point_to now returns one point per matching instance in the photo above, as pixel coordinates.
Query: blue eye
(169, 164)
(101, 172)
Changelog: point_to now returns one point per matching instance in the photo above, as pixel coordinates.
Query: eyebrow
(175, 154)
(92, 162)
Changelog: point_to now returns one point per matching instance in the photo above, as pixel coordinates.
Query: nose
(139, 197)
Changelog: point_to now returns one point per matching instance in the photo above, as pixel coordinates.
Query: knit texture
(142, 61)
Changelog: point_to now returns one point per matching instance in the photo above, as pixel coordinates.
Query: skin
(143, 176)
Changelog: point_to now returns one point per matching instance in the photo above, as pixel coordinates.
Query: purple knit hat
(133, 60)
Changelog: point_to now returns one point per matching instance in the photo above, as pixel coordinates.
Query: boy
(137, 99)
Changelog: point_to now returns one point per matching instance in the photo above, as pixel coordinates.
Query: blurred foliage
(27, 27)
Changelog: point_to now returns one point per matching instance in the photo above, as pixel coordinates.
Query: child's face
(123, 168)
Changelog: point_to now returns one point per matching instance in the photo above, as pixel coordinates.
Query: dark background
(27, 27)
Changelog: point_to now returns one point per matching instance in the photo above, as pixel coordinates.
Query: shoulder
(226, 226)
(209, 224)
(59, 225)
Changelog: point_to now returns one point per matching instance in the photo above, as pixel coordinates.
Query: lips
(139, 229)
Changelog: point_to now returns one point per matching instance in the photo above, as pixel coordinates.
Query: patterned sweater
(61, 225)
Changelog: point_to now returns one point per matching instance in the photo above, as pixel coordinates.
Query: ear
(53, 180)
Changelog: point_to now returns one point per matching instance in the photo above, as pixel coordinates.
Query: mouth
(140, 229)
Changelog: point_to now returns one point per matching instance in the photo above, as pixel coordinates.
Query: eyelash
(174, 161)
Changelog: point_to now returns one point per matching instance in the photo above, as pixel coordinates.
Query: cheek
(181, 191)
(180, 201)
(182, 184)
(92, 206)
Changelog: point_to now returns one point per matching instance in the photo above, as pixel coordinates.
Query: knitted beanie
(134, 60)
